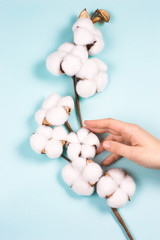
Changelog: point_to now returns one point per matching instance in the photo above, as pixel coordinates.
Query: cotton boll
(82, 134)
(102, 67)
(71, 65)
(88, 151)
(59, 133)
(73, 150)
(81, 52)
(97, 32)
(79, 163)
(84, 23)
(53, 148)
(51, 101)
(106, 186)
(66, 102)
(118, 199)
(86, 88)
(83, 37)
(97, 47)
(92, 139)
(38, 142)
(45, 131)
(128, 185)
(70, 174)
(66, 47)
(81, 187)
(39, 116)
(56, 116)
(101, 80)
(88, 70)
(117, 174)
(53, 62)
(72, 138)
(92, 172)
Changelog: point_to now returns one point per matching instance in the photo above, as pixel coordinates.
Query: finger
(120, 149)
(109, 137)
(114, 125)
(102, 130)
(111, 158)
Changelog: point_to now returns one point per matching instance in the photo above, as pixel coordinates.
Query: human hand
(126, 140)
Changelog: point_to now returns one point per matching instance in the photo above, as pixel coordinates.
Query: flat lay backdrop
(35, 204)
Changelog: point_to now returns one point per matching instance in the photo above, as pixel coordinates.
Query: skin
(126, 140)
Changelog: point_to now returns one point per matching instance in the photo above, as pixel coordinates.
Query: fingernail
(106, 144)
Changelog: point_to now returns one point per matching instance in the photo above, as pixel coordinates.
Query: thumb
(118, 148)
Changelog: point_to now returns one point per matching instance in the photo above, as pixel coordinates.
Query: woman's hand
(126, 140)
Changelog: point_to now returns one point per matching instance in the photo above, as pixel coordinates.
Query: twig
(119, 218)
(77, 102)
(68, 126)
(65, 158)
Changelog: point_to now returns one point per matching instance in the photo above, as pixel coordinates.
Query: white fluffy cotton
(59, 133)
(53, 148)
(38, 142)
(92, 172)
(83, 23)
(71, 64)
(56, 116)
(70, 174)
(53, 62)
(51, 101)
(81, 187)
(92, 78)
(81, 52)
(82, 144)
(66, 47)
(39, 116)
(83, 37)
(86, 88)
(45, 130)
(66, 102)
(117, 187)
(79, 163)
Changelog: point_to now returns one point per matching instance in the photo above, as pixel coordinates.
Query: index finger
(107, 123)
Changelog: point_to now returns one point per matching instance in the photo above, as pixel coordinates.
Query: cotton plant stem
(77, 102)
(68, 126)
(93, 14)
(67, 159)
(119, 218)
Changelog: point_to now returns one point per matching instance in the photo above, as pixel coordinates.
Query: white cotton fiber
(92, 139)
(98, 33)
(56, 116)
(82, 134)
(59, 133)
(79, 163)
(88, 151)
(53, 148)
(118, 199)
(116, 174)
(81, 52)
(92, 172)
(53, 62)
(70, 174)
(38, 142)
(51, 101)
(71, 64)
(86, 88)
(66, 47)
(101, 81)
(84, 23)
(82, 37)
(106, 186)
(88, 70)
(39, 116)
(81, 187)
(73, 150)
(102, 67)
(72, 138)
(97, 47)
(66, 102)
(128, 185)
(45, 131)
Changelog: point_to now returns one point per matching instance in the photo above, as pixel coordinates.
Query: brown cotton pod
(46, 123)
(84, 14)
(96, 19)
(43, 151)
(104, 15)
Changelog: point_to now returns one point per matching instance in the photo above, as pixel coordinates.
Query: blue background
(35, 204)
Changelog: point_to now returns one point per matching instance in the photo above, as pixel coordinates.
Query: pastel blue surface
(35, 204)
